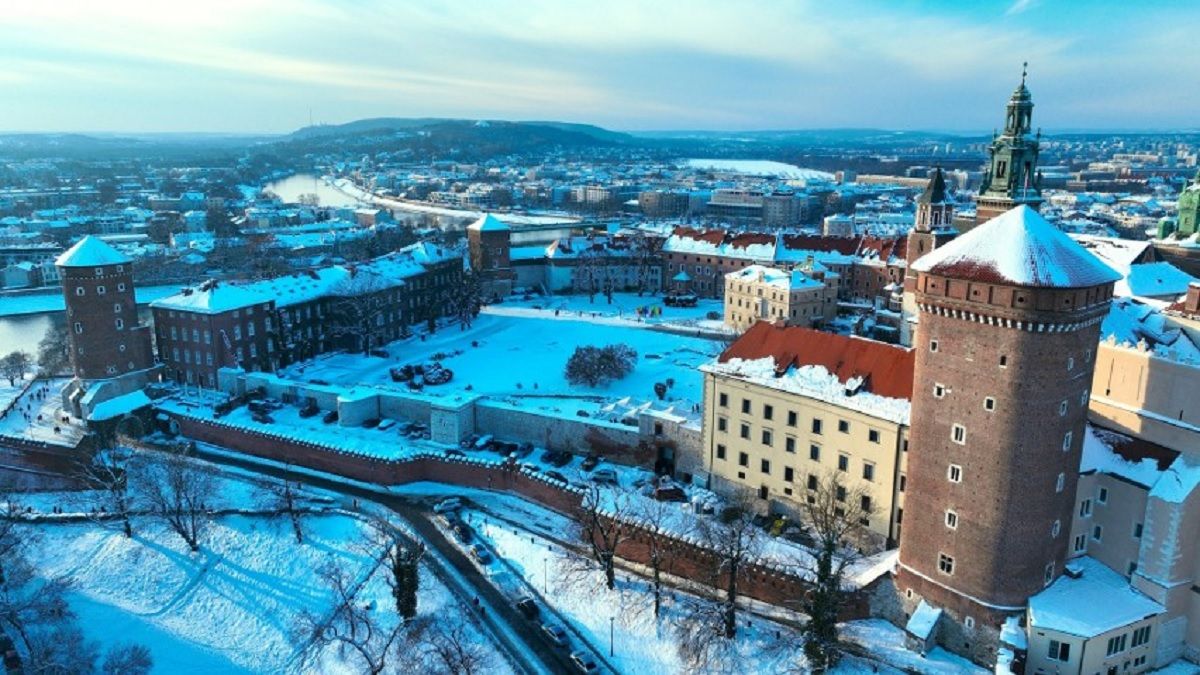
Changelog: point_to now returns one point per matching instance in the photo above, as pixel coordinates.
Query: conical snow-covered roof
(488, 223)
(91, 252)
(1019, 248)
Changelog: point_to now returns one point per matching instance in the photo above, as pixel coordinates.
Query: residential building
(786, 408)
(800, 297)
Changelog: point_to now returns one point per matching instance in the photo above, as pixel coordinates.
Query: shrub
(592, 366)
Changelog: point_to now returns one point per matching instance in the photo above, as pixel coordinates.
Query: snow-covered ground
(519, 357)
(43, 400)
(52, 300)
(229, 608)
(623, 306)
(760, 167)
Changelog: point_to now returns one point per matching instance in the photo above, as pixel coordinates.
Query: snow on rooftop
(488, 223)
(91, 252)
(120, 405)
(1178, 481)
(1099, 455)
(814, 382)
(212, 297)
(771, 276)
(1088, 600)
(922, 622)
(1021, 248)
(1154, 279)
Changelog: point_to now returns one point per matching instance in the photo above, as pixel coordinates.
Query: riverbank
(50, 299)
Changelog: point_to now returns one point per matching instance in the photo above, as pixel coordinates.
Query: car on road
(605, 475)
(590, 462)
(584, 662)
(528, 607)
(480, 553)
(330, 417)
(556, 633)
(386, 424)
(448, 504)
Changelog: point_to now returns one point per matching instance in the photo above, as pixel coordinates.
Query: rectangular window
(954, 473)
(745, 432)
(746, 406)
(743, 459)
(933, 345)
(1103, 496)
(814, 453)
(843, 426)
(952, 520)
(864, 503)
(816, 426)
(789, 444)
(939, 390)
(1137, 530)
(1098, 533)
(989, 404)
(868, 471)
(768, 412)
(1080, 544)
(789, 474)
(1085, 508)
(1067, 441)
(843, 462)
(812, 482)
(792, 418)
(839, 492)
(720, 451)
(1048, 576)
(766, 437)
(722, 424)
(1141, 636)
(1116, 645)
(765, 466)
(958, 434)
(723, 400)
(903, 482)
(873, 435)
(1059, 651)
(945, 564)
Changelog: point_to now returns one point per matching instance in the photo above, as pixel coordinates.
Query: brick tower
(1011, 178)
(931, 229)
(1009, 321)
(489, 242)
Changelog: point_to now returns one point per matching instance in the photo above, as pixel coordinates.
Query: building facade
(801, 297)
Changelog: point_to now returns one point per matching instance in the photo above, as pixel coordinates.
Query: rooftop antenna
(1024, 72)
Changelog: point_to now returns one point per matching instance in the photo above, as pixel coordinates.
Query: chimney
(1191, 304)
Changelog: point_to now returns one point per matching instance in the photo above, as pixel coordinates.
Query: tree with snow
(106, 472)
(448, 646)
(835, 516)
(590, 365)
(128, 659)
(359, 310)
(350, 625)
(14, 365)
(53, 352)
(661, 544)
(283, 497)
(403, 559)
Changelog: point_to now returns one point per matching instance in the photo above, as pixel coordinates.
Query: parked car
(557, 476)
(309, 410)
(370, 423)
(562, 459)
(455, 452)
(549, 456)
(590, 462)
(523, 450)
(261, 418)
(483, 442)
(463, 532)
(670, 493)
(381, 353)
(528, 607)
(480, 553)
(330, 417)
(386, 424)
(556, 633)
(448, 504)
(605, 475)
(584, 662)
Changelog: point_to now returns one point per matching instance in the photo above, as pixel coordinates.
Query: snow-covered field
(521, 357)
(229, 608)
(623, 305)
(760, 167)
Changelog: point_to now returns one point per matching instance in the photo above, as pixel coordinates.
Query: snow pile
(1099, 456)
(91, 251)
(119, 405)
(923, 621)
(814, 382)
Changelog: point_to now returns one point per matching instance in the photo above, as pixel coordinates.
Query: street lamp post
(611, 648)
(546, 575)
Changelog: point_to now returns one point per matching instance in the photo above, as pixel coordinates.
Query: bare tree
(178, 490)
(604, 523)
(646, 252)
(465, 299)
(127, 659)
(283, 497)
(107, 473)
(662, 546)
(448, 647)
(350, 625)
(14, 365)
(53, 356)
(734, 541)
(837, 517)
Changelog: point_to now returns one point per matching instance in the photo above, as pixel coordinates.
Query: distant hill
(385, 124)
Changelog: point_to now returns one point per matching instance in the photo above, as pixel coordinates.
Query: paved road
(550, 658)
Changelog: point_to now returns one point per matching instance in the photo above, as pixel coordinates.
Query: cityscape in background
(485, 396)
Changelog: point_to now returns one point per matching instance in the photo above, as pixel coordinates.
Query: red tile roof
(886, 369)
(816, 242)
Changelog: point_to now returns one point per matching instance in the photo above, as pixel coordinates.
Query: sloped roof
(488, 223)
(935, 192)
(1020, 248)
(887, 370)
(91, 251)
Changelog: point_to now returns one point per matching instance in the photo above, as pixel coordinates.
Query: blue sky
(261, 65)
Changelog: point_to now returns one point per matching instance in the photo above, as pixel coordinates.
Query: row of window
(814, 454)
(100, 290)
(119, 323)
(935, 346)
(817, 424)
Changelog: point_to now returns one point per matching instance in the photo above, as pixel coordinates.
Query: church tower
(1007, 332)
(935, 213)
(1011, 178)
